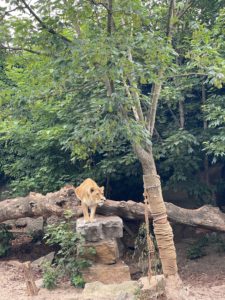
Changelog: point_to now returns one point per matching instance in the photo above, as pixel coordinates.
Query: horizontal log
(207, 216)
(36, 205)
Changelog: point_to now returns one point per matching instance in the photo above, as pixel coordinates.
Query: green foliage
(50, 276)
(141, 251)
(213, 240)
(59, 125)
(217, 241)
(68, 261)
(197, 249)
(220, 243)
(5, 240)
(77, 281)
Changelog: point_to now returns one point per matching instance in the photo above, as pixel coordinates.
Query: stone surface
(39, 283)
(35, 225)
(155, 282)
(107, 251)
(103, 228)
(40, 261)
(98, 291)
(20, 223)
(107, 274)
(29, 225)
(153, 289)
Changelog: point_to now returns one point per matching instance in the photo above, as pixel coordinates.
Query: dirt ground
(204, 277)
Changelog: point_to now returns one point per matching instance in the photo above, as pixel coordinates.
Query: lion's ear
(102, 189)
(92, 190)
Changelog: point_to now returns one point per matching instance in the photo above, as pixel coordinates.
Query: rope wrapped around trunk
(163, 231)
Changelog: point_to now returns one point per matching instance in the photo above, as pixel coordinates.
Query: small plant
(141, 251)
(77, 281)
(50, 276)
(69, 259)
(137, 293)
(219, 243)
(5, 240)
(197, 249)
(220, 246)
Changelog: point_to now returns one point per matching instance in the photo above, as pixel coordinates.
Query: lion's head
(97, 195)
(90, 193)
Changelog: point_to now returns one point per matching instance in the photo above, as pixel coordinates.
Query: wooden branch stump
(32, 289)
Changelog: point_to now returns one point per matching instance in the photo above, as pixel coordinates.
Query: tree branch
(21, 49)
(186, 74)
(156, 88)
(7, 12)
(173, 116)
(43, 25)
(136, 115)
(134, 91)
(170, 18)
(183, 12)
(100, 3)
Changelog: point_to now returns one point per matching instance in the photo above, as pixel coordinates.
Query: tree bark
(36, 205)
(206, 217)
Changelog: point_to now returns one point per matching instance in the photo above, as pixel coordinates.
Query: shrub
(50, 276)
(68, 260)
(197, 249)
(5, 240)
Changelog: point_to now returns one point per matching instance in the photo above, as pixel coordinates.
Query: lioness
(90, 195)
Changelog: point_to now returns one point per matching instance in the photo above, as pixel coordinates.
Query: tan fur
(90, 195)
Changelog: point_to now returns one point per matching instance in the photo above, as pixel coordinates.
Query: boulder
(107, 274)
(155, 282)
(40, 261)
(103, 228)
(20, 223)
(126, 290)
(107, 251)
(152, 289)
(29, 225)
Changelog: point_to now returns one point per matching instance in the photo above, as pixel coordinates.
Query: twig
(43, 25)
(100, 3)
(183, 12)
(20, 49)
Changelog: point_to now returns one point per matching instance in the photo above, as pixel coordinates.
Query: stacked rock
(103, 235)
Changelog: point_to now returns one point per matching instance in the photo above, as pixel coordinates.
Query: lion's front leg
(93, 210)
(85, 212)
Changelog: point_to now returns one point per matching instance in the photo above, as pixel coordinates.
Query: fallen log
(207, 216)
(36, 205)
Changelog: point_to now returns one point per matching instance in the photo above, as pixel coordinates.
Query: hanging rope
(150, 245)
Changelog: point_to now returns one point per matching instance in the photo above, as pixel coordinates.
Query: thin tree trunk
(205, 126)
(181, 113)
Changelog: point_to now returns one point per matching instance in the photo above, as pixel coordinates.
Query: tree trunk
(162, 229)
(205, 126)
(181, 113)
